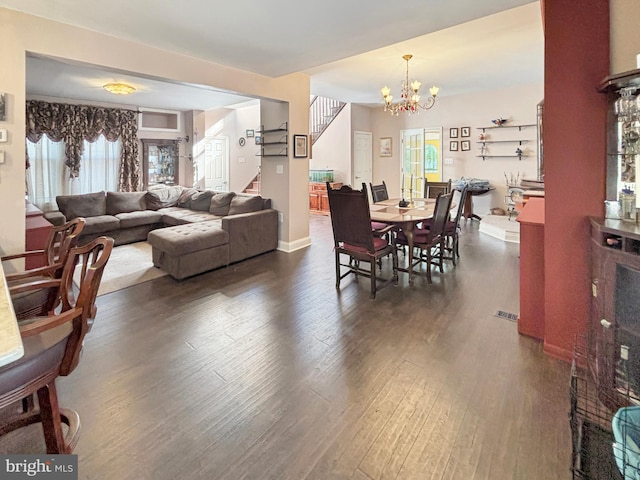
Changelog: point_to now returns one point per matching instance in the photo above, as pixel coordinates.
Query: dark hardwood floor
(263, 370)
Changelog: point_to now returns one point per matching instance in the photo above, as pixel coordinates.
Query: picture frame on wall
(258, 139)
(3, 107)
(465, 145)
(453, 132)
(300, 146)
(250, 133)
(453, 146)
(386, 146)
(465, 132)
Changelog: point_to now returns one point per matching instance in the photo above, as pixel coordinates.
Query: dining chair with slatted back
(452, 229)
(39, 302)
(432, 189)
(430, 240)
(52, 346)
(379, 193)
(354, 238)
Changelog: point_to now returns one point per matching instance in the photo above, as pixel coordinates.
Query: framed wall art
(465, 145)
(453, 146)
(386, 146)
(3, 106)
(300, 143)
(453, 132)
(250, 133)
(465, 132)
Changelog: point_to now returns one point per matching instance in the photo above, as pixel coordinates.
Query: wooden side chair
(379, 193)
(431, 240)
(432, 189)
(52, 345)
(452, 229)
(29, 303)
(354, 238)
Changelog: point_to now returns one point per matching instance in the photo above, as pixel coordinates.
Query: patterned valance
(73, 124)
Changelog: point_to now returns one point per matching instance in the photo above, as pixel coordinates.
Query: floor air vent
(509, 316)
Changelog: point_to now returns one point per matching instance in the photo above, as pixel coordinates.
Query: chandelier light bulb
(434, 91)
(415, 85)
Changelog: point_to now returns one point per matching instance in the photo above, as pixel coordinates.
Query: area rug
(128, 265)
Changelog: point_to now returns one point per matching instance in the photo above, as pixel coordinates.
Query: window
(48, 176)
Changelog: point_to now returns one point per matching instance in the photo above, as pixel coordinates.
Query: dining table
(405, 218)
(11, 348)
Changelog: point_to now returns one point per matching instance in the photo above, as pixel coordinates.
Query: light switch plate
(280, 169)
(3, 135)
(448, 161)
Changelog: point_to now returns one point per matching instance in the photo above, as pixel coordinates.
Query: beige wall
(332, 151)
(625, 34)
(23, 33)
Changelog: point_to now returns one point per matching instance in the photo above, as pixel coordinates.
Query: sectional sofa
(190, 231)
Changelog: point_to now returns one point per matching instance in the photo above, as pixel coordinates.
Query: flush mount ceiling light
(409, 96)
(119, 88)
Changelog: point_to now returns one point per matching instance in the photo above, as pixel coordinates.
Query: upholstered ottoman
(186, 250)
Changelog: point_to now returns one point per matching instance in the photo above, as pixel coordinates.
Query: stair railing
(322, 111)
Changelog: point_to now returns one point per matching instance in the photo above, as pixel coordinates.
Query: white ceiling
(349, 48)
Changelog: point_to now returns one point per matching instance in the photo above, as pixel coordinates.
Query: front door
(362, 159)
(216, 164)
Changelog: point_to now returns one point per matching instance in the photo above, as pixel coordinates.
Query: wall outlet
(280, 169)
(241, 160)
(448, 161)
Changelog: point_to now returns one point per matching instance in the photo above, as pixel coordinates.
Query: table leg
(408, 232)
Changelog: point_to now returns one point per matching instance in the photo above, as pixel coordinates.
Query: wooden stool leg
(50, 415)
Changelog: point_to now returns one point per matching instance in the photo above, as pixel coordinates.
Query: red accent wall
(576, 61)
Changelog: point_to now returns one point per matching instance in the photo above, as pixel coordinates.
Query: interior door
(362, 158)
(413, 164)
(216, 164)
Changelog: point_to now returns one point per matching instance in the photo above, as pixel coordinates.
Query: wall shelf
(502, 153)
(271, 141)
(519, 157)
(519, 127)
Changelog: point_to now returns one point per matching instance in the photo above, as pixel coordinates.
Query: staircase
(254, 186)
(322, 111)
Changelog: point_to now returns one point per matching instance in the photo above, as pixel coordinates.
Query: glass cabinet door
(160, 162)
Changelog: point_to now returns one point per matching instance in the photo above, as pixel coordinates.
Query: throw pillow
(201, 201)
(123, 202)
(220, 203)
(86, 205)
(163, 197)
(245, 204)
(186, 196)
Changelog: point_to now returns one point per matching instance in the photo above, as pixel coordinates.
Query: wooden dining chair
(452, 230)
(379, 193)
(354, 238)
(430, 240)
(432, 189)
(36, 302)
(52, 346)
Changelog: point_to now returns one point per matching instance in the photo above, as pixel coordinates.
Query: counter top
(533, 212)
(11, 348)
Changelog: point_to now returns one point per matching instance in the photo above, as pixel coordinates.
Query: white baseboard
(289, 247)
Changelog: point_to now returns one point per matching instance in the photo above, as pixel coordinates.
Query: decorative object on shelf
(628, 206)
(453, 132)
(465, 145)
(519, 151)
(465, 132)
(453, 146)
(258, 139)
(482, 137)
(499, 122)
(300, 146)
(409, 95)
(118, 88)
(386, 146)
(241, 141)
(250, 133)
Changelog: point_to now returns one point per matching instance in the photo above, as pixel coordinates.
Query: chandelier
(409, 96)
(119, 88)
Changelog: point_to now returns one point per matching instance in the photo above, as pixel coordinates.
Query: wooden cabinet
(160, 162)
(318, 197)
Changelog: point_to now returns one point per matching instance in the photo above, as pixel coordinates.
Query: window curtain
(73, 124)
(48, 175)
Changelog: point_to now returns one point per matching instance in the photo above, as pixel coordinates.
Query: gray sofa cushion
(100, 224)
(245, 204)
(182, 216)
(191, 238)
(121, 202)
(135, 219)
(162, 197)
(201, 201)
(184, 201)
(220, 203)
(86, 205)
